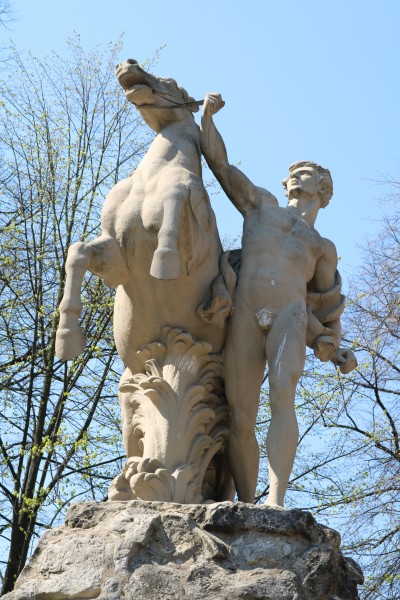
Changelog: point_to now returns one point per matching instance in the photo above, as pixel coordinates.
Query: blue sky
(301, 80)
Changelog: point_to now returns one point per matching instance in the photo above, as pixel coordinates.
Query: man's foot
(269, 504)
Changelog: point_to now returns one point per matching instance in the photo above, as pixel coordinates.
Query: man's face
(304, 179)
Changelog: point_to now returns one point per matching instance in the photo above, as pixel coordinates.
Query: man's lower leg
(282, 441)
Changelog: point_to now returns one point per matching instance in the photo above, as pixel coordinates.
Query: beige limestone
(179, 424)
(160, 247)
(285, 264)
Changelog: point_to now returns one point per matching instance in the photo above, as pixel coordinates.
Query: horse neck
(185, 131)
(178, 139)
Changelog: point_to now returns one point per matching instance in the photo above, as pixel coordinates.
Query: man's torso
(279, 254)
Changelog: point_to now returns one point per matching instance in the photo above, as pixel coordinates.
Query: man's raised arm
(239, 189)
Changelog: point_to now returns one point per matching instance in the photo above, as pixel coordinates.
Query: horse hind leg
(166, 263)
(102, 257)
(70, 340)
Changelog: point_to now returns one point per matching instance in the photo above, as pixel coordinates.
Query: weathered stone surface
(153, 550)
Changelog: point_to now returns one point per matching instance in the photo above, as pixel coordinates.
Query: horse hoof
(166, 264)
(69, 343)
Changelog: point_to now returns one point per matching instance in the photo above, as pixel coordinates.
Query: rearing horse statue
(160, 247)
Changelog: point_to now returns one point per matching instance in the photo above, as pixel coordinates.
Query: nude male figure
(281, 254)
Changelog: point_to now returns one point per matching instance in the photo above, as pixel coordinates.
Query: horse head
(159, 100)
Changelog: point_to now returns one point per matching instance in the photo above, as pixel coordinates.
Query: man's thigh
(285, 345)
(244, 365)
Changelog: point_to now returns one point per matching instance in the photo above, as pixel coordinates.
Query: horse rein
(175, 105)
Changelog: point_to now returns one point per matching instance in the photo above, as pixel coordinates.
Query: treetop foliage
(66, 136)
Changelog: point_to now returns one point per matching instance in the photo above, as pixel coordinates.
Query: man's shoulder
(328, 248)
(264, 198)
(329, 245)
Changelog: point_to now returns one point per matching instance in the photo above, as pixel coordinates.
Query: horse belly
(148, 304)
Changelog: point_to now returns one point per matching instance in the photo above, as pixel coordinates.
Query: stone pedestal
(156, 551)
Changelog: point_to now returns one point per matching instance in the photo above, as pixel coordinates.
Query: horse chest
(142, 206)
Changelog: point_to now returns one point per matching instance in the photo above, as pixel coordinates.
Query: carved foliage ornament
(180, 420)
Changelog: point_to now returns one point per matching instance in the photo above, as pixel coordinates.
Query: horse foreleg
(166, 263)
(102, 257)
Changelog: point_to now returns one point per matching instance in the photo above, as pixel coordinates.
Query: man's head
(307, 176)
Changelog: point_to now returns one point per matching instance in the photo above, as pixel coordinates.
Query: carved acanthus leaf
(180, 416)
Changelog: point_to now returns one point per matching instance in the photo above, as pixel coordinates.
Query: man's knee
(282, 392)
(242, 425)
(284, 379)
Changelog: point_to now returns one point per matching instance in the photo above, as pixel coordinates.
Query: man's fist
(345, 360)
(212, 104)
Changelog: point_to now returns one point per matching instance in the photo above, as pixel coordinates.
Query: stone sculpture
(160, 245)
(287, 294)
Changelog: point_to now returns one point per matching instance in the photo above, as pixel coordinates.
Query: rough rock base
(156, 551)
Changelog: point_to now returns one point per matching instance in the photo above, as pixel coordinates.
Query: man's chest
(277, 228)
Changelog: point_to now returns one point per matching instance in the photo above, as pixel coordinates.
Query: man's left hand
(345, 359)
